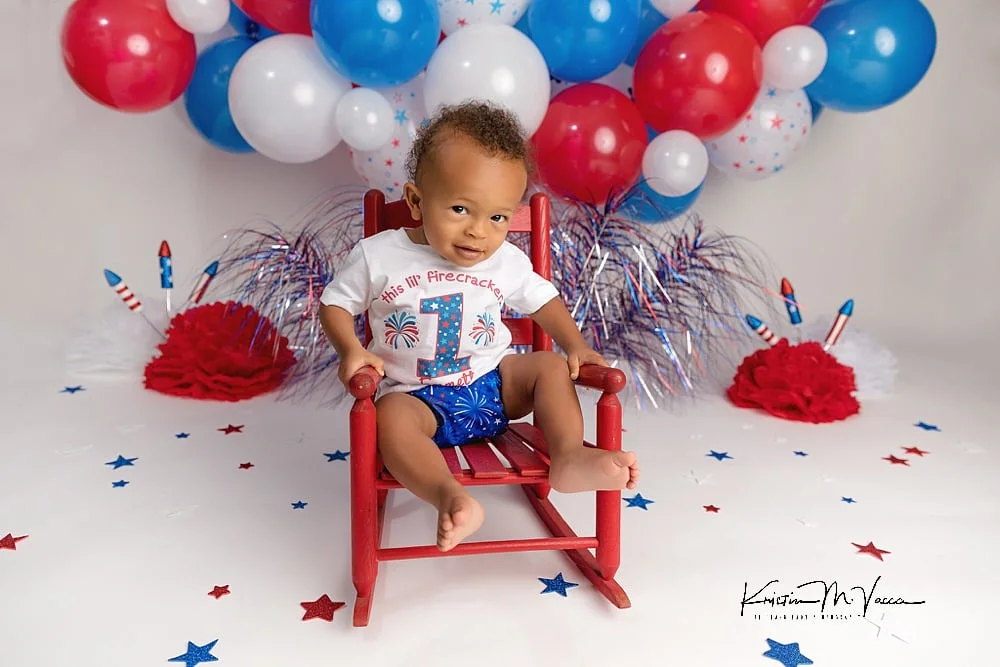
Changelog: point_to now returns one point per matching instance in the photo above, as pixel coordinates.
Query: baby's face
(466, 200)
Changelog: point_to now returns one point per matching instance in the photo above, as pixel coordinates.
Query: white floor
(113, 575)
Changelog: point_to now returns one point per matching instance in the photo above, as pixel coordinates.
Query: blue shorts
(468, 413)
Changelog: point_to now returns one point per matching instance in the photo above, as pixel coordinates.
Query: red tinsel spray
(220, 351)
(797, 382)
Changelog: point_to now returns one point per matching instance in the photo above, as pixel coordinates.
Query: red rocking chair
(521, 444)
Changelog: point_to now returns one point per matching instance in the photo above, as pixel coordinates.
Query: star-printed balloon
(385, 168)
(772, 133)
(456, 14)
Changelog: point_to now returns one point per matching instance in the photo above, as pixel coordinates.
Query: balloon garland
(726, 74)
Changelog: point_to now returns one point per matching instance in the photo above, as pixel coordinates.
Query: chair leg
(365, 514)
(582, 558)
(609, 503)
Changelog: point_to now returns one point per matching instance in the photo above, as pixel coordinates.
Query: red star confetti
(323, 608)
(10, 542)
(916, 451)
(229, 428)
(895, 461)
(711, 508)
(218, 591)
(871, 549)
(246, 466)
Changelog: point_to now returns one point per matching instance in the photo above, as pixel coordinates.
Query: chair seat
(522, 445)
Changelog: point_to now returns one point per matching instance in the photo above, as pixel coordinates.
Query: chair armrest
(607, 379)
(364, 383)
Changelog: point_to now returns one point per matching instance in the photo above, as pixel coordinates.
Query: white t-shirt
(434, 322)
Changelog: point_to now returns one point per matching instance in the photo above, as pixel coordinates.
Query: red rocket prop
(799, 382)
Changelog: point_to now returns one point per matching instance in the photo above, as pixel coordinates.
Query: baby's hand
(354, 361)
(581, 356)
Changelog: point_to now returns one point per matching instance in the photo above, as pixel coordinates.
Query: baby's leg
(540, 381)
(405, 428)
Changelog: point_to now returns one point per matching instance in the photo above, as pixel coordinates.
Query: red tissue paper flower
(797, 382)
(222, 352)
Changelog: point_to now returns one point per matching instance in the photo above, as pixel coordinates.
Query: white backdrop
(893, 208)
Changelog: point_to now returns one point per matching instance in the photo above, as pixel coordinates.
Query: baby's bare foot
(590, 469)
(459, 515)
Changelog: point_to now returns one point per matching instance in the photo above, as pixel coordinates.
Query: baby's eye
(458, 209)
(499, 218)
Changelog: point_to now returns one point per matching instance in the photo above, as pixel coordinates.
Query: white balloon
(457, 14)
(673, 8)
(283, 98)
(490, 62)
(200, 17)
(385, 167)
(794, 57)
(767, 139)
(364, 119)
(675, 163)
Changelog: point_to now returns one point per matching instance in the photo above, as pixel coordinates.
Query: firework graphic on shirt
(484, 330)
(401, 329)
(476, 410)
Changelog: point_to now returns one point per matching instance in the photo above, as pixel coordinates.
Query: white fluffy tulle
(873, 363)
(117, 343)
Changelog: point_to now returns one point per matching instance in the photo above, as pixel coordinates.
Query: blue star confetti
(182, 436)
(336, 456)
(196, 654)
(926, 426)
(719, 455)
(638, 501)
(72, 390)
(120, 484)
(787, 654)
(800, 453)
(557, 585)
(120, 462)
(299, 505)
(849, 501)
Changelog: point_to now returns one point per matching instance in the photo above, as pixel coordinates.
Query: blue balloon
(583, 41)
(245, 25)
(522, 25)
(817, 109)
(649, 21)
(878, 51)
(647, 205)
(206, 99)
(376, 44)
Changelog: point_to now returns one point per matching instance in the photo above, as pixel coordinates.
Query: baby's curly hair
(494, 128)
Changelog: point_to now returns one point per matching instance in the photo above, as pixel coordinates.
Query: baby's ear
(413, 198)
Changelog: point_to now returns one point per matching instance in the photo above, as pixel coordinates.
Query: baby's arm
(558, 323)
(346, 296)
(339, 327)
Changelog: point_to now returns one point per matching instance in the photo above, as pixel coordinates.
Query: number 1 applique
(448, 309)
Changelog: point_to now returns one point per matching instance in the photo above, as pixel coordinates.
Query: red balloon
(279, 15)
(590, 143)
(699, 72)
(765, 17)
(130, 56)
